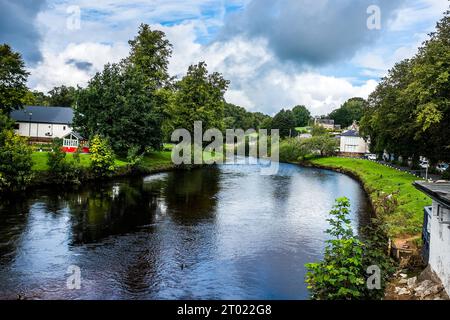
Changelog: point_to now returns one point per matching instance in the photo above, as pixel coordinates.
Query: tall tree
(285, 122)
(199, 96)
(126, 101)
(351, 110)
(150, 52)
(13, 78)
(302, 116)
(62, 96)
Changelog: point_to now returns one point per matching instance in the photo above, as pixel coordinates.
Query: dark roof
(75, 134)
(57, 115)
(350, 133)
(439, 191)
(325, 121)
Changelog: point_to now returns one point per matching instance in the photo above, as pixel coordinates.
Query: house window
(64, 128)
(16, 126)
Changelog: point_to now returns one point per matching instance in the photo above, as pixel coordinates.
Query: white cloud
(56, 69)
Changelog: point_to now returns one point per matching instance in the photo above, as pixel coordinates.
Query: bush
(134, 157)
(102, 157)
(15, 161)
(446, 174)
(62, 171)
(291, 150)
(340, 276)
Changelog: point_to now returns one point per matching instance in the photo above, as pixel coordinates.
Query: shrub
(291, 150)
(62, 171)
(102, 157)
(15, 161)
(134, 157)
(340, 276)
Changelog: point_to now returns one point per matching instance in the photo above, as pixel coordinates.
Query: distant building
(43, 123)
(305, 136)
(324, 123)
(436, 230)
(352, 144)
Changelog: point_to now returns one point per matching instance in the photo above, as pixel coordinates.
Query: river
(223, 232)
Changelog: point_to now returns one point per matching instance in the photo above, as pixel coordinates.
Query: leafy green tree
(62, 96)
(351, 110)
(150, 53)
(340, 275)
(5, 122)
(13, 78)
(324, 144)
(199, 96)
(15, 161)
(302, 116)
(285, 122)
(127, 102)
(102, 157)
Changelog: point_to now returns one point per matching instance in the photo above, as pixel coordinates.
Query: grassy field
(395, 199)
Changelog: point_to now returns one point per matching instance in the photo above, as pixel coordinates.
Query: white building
(436, 230)
(43, 123)
(353, 144)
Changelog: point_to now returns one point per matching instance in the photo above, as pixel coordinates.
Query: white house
(436, 230)
(43, 123)
(352, 144)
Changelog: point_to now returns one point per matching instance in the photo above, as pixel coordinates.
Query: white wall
(39, 130)
(440, 246)
(353, 145)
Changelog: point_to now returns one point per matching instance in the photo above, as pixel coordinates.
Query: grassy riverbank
(393, 196)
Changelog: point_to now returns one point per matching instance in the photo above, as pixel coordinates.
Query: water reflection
(221, 232)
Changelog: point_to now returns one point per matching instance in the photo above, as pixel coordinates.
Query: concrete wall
(440, 245)
(353, 145)
(39, 130)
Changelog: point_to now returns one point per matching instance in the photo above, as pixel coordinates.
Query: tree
(199, 96)
(126, 102)
(302, 116)
(102, 157)
(340, 275)
(150, 52)
(324, 144)
(116, 104)
(62, 96)
(351, 110)
(15, 161)
(13, 78)
(285, 122)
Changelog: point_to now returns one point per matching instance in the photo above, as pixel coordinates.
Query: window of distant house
(64, 127)
(17, 126)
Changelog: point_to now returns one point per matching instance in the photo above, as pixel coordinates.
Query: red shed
(73, 140)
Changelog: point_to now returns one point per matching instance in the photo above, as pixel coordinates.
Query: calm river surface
(223, 232)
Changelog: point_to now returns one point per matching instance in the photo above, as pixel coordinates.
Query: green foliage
(324, 144)
(409, 112)
(13, 78)
(236, 117)
(134, 157)
(292, 150)
(199, 96)
(126, 102)
(285, 122)
(15, 162)
(102, 157)
(318, 130)
(61, 170)
(340, 276)
(351, 110)
(61, 96)
(302, 116)
(5, 122)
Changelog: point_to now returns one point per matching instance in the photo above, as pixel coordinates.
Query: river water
(222, 232)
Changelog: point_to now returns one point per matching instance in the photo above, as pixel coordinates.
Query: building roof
(55, 115)
(438, 191)
(350, 133)
(75, 134)
(325, 121)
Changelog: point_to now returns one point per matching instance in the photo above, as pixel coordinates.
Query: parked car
(441, 167)
(372, 157)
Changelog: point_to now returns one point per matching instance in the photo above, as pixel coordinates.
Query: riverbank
(393, 197)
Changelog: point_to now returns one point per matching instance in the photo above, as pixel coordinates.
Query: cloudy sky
(277, 53)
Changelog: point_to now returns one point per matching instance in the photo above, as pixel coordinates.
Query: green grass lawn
(40, 160)
(406, 215)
